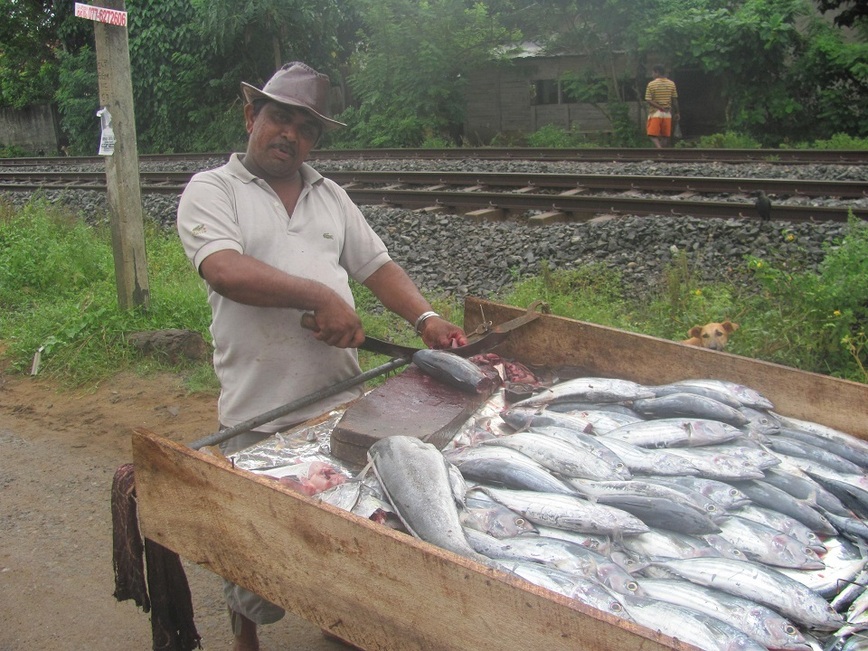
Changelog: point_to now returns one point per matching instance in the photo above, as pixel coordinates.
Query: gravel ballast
(455, 255)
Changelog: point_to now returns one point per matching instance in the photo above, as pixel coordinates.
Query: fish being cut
(453, 370)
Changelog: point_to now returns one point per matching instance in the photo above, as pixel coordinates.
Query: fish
(482, 513)
(724, 466)
(598, 459)
(660, 543)
(560, 554)
(760, 542)
(796, 448)
(586, 591)
(568, 512)
(452, 369)
(522, 418)
(648, 460)
(844, 562)
(656, 505)
(689, 405)
(765, 494)
(720, 394)
(688, 625)
(602, 544)
(791, 479)
(506, 467)
(783, 523)
(745, 395)
(767, 586)
(726, 495)
(760, 422)
(561, 456)
(415, 478)
(857, 449)
(588, 389)
(602, 421)
(759, 622)
(675, 432)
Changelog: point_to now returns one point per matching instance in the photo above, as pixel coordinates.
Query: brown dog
(712, 335)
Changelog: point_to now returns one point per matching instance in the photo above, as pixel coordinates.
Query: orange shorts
(660, 127)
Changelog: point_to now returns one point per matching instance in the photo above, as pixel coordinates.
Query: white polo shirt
(262, 356)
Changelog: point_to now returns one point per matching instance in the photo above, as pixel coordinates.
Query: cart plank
(593, 350)
(373, 586)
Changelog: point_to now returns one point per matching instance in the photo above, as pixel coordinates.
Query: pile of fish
(692, 508)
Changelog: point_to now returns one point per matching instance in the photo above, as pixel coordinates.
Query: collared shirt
(661, 91)
(262, 356)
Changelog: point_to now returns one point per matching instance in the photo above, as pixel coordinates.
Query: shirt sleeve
(206, 219)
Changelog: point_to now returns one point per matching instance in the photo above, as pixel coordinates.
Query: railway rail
(555, 197)
(788, 156)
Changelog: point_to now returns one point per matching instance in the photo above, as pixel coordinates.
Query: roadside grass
(57, 294)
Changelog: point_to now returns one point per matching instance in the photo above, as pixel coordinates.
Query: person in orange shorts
(662, 98)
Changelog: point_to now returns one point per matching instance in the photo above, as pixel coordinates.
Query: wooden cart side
(376, 587)
(553, 341)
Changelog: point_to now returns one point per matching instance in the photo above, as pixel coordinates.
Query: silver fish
(586, 591)
(452, 369)
(602, 544)
(726, 495)
(844, 562)
(560, 456)
(795, 481)
(719, 465)
(568, 512)
(603, 421)
(759, 422)
(762, 543)
(784, 523)
(415, 478)
(796, 448)
(836, 442)
(501, 465)
(859, 446)
(590, 444)
(689, 405)
(765, 494)
(656, 505)
(754, 456)
(675, 432)
(725, 396)
(688, 625)
(759, 622)
(560, 554)
(588, 389)
(745, 395)
(660, 543)
(762, 584)
(648, 460)
(522, 418)
(484, 514)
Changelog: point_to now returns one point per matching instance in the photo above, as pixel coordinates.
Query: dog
(713, 336)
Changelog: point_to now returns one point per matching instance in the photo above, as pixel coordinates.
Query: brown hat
(297, 84)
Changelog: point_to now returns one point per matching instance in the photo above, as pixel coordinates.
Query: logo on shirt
(328, 236)
(200, 230)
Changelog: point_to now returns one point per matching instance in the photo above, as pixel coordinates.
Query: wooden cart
(384, 590)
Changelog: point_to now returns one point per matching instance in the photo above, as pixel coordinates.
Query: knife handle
(308, 321)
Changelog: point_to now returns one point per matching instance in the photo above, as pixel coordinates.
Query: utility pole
(118, 146)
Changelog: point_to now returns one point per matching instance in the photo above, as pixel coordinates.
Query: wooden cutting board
(410, 404)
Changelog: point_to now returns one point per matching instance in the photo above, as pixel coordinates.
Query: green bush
(556, 137)
(728, 140)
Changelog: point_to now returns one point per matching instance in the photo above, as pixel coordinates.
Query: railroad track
(784, 156)
(555, 197)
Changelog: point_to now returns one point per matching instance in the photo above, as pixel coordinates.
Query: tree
(409, 72)
(852, 12)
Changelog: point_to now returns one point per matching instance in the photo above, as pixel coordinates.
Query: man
(273, 239)
(662, 98)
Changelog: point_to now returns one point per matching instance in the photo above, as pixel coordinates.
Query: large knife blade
(382, 347)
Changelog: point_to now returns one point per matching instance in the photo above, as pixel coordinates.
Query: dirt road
(58, 455)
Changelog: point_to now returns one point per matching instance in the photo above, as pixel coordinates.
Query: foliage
(852, 12)
(408, 76)
(821, 318)
(77, 98)
(57, 292)
(838, 141)
(728, 140)
(554, 136)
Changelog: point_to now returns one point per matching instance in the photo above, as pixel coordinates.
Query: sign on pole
(119, 150)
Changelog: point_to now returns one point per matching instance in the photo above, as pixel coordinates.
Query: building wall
(33, 129)
(500, 100)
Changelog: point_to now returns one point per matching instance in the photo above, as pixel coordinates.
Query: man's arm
(247, 280)
(398, 293)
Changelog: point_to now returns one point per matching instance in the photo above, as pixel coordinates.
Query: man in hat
(274, 239)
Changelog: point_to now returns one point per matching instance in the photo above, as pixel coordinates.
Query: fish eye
(790, 629)
(616, 607)
(632, 586)
(711, 508)
(520, 522)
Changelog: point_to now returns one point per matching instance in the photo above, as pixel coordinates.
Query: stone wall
(33, 129)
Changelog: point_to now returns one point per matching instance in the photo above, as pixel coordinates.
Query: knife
(382, 347)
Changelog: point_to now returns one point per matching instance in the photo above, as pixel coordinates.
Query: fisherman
(274, 239)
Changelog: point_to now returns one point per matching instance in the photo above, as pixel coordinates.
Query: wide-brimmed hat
(297, 84)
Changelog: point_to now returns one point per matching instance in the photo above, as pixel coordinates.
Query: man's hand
(437, 332)
(337, 324)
